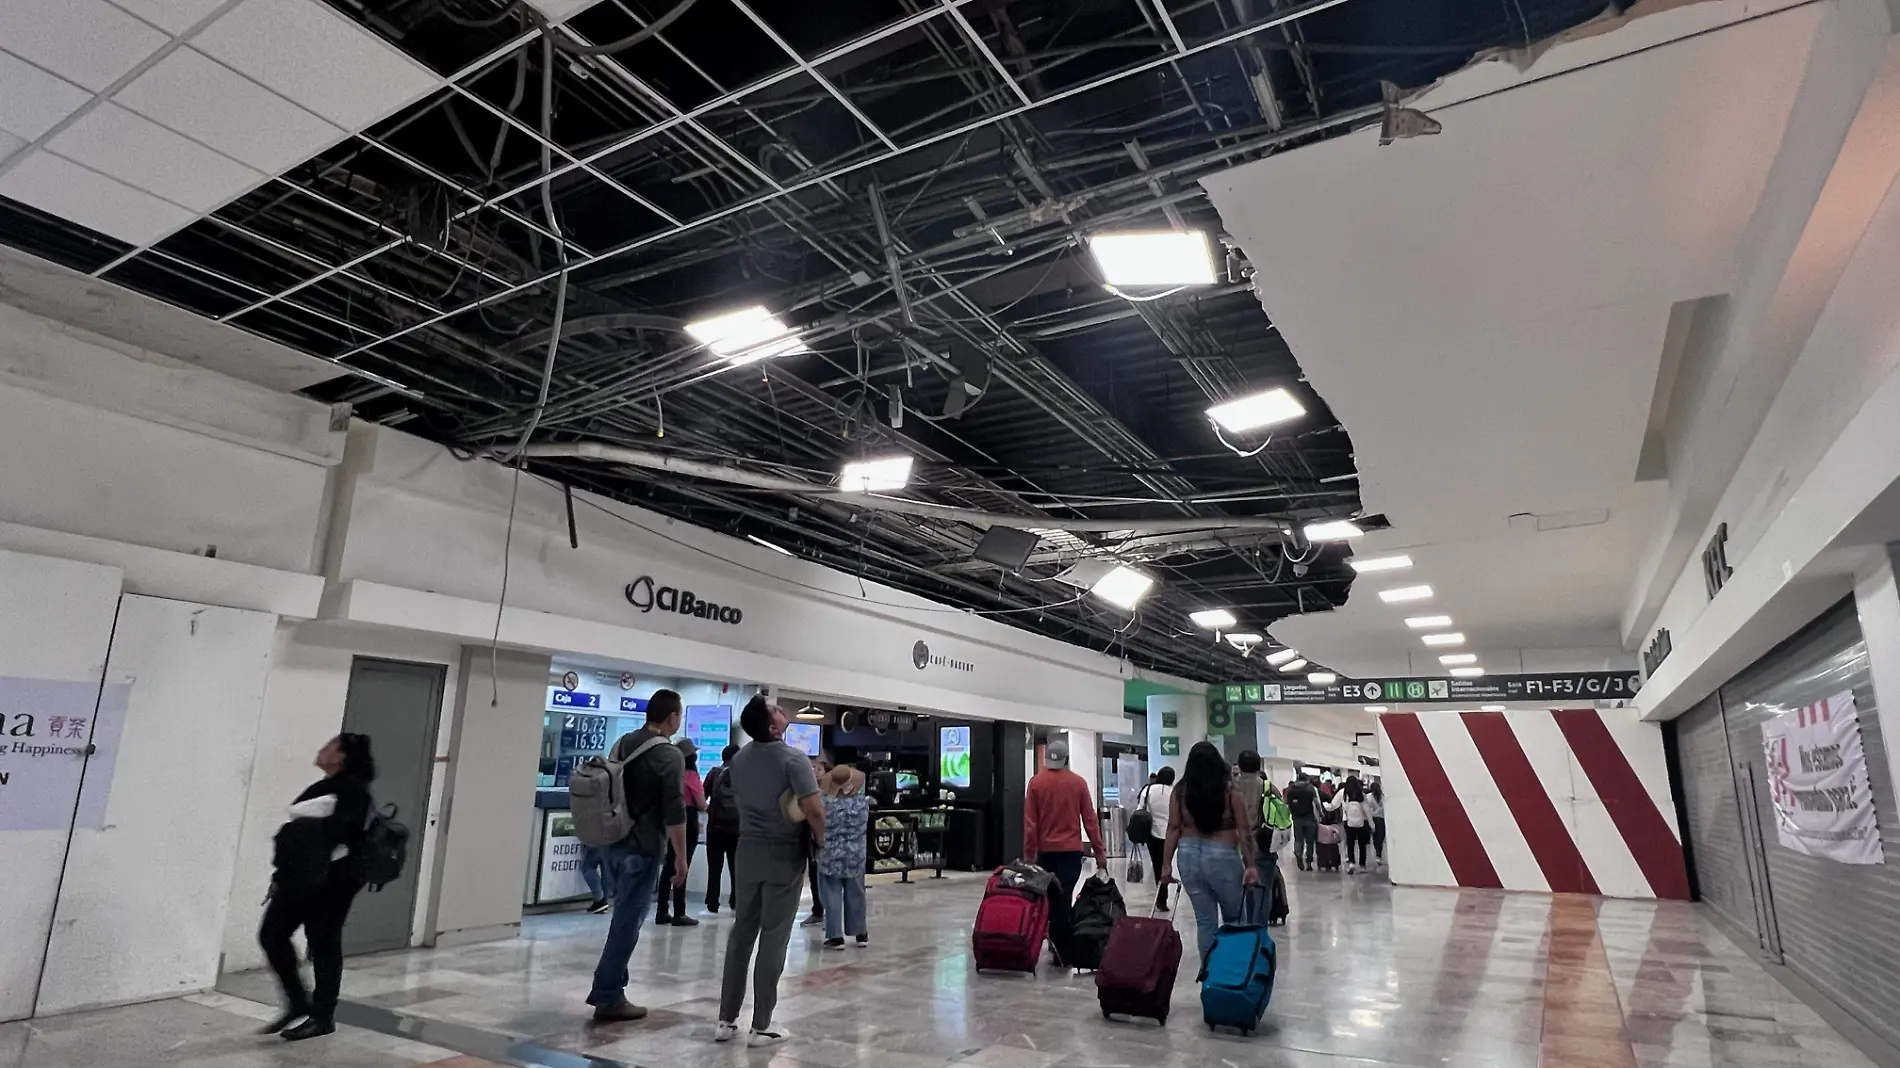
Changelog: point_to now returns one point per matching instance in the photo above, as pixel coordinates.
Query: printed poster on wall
(53, 732)
(1817, 780)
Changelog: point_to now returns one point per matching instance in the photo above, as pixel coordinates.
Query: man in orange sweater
(1057, 809)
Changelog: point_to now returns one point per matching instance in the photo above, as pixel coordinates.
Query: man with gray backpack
(631, 804)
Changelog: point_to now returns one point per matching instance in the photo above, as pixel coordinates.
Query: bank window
(568, 738)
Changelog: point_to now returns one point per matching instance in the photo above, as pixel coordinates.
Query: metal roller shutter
(1715, 828)
(1838, 924)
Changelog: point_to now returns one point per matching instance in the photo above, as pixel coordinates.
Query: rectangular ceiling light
(1244, 641)
(1377, 708)
(1213, 618)
(1154, 258)
(875, 476)
(1261, 409)
(1456, 659)
(1322, 678)
(1467, 672)
(746, 336)
(1332, 530)
(1123, 587)
(756, 540)
(1428, 622)
(1292, 667)
(1451, 638)
(1281, 656)
(1406, 593)
(1490, 708)
(1379, 563)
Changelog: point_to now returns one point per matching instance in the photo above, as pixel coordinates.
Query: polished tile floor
(1372, 976)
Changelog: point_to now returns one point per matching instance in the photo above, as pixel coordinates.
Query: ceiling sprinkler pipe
(655, 461)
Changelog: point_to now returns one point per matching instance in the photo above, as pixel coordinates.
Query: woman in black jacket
(315, 882)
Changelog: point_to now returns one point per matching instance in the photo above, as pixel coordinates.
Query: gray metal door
(398, 705)
(1715, 834)
(1838, 924)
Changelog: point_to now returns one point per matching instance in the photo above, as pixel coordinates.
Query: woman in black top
(315, 882)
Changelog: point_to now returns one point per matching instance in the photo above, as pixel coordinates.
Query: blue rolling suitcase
(1240, 971)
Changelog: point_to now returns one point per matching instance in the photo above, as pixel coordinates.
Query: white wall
(142, 908)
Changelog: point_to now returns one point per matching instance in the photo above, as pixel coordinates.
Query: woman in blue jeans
(841, 865)
(1210, 844)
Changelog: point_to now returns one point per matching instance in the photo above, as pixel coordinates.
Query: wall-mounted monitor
(953, 757)
(807, 738)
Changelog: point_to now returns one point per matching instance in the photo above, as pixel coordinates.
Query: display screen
(953, 759)
(804, 737)
(907, 780)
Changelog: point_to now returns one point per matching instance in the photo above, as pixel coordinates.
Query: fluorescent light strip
(756, 540)
(1322, 678)
(1377, 708)
(1450, 638)
(1244, 641)
(1332, 530)
(1403, 594)
(746, 336)
(1428, 622)
(1290, 668)
(1380, 563)
(875, 476)
(1253, 412)
(1281, 656)
(1467, 672)
(1213, 618)
(1490, 708)
(1456, 659)
(1154, 258)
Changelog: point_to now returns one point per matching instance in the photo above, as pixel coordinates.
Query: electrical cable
(628, 41)
(1236, 449)
(547, 365)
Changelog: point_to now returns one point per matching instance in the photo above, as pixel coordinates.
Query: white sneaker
(725, 1031)
(1350, 868)
(770, 1036)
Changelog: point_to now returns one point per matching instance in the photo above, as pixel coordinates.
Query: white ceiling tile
(561, 10)
(172, 16)
(142, 153)
(85, 41)
(214, 105)
(315, 56)
(33, 101)
(90, 199)
(9, 144)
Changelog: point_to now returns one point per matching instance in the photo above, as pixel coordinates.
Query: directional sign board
(1557, 686)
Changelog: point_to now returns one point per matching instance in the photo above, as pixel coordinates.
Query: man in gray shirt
(770, 868)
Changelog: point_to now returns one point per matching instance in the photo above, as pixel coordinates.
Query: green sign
(1220, 719)
(1170, 720)
(1170, 745)
(1233, 693)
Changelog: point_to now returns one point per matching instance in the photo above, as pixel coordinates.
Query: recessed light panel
(1154, 258)
(1406, 593)
(1377, 708)
(1467, 672)
(875, 476)
(1380, 563)
(1447, 638)
(1322, 678)
(746, 336)
(1214, 618)
(1244, 640)
(1428, 622)
(1123, 587)
(1332, 530)
(1490, 708)
(1455, 659)
(1256, 411)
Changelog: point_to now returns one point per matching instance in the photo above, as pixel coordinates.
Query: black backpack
(1141, 822)
(1097, 909)
(722, 804)
(384, 851)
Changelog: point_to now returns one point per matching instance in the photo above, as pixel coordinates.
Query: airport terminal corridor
(1371, 976)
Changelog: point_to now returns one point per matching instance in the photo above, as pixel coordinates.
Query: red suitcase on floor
(1011, 925)
(1138, 968)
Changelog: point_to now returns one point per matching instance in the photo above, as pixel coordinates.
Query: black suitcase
(1278, 907)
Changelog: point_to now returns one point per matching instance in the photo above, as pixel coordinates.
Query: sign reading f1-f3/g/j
(1557, 686)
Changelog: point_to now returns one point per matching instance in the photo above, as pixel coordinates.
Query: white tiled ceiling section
(134, 117)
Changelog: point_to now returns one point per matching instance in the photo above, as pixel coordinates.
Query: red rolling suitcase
(1011, 924)
(1138, 968)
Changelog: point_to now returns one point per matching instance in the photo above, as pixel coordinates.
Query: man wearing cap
(1056, 812)
(693, 792)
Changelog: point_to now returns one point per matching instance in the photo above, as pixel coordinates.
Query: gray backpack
(597, 797)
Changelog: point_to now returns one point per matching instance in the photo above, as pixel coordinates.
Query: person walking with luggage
(1302, 800)
(1057, 810)
(694, 796)
(651, 785)
(1210, 835)
(315, 882)
(841, 865)
(1350, 804)
(722, 828)
(1153, 802)
(773, 784)
(1375, 808)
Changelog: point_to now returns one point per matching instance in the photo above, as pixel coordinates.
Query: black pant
(811, 881)
(1067, 868)
(320, 913)
(1157, 852)
(1378, 836)
(667, 890)
(722, 851)
(1357, 840)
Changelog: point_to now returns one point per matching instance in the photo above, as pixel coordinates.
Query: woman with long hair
(1210, 839)
(1375, 808)
(315, 881)
(1350, 803)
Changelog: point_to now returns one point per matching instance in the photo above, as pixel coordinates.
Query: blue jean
(844, 904)
(1066, 866)
(634, 875)
(1211, 874)
(1305, 840)
(594, 869)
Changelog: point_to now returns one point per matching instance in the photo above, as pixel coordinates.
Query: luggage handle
(1253, 905)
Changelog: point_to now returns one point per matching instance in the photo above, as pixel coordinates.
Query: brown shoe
(622, 1011)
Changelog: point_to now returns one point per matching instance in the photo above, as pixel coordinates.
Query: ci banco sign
(644, 594)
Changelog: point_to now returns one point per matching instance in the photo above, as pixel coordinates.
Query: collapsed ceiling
(909, 186)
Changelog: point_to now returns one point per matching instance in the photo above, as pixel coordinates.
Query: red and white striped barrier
(1572, 801)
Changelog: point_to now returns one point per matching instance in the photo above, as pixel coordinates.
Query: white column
(1877, 602)
(1188, 714)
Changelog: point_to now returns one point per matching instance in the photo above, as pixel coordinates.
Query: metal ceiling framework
(907, 183)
